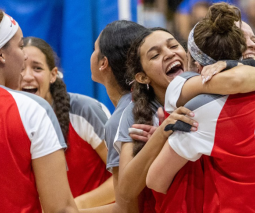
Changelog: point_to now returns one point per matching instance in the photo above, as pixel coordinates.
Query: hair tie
(129, 82)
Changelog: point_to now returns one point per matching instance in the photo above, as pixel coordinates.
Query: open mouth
(174, 69)
(249, 56)
(29, 89)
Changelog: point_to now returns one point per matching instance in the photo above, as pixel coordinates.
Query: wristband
(231, 64)
(249, 62)
(179, 125)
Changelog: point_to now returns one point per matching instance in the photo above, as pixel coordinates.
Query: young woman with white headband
(225, 136)
(32, 146)
(82, 121)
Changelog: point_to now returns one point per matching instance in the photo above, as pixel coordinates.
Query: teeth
(173, 65)
(249, 56)
(29, 87)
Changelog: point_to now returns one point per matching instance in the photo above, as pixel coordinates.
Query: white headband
(8, 28)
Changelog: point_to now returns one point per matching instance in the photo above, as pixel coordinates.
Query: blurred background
(72, 26)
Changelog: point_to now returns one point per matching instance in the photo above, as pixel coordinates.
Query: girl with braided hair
(154, 59)
(82, 122)
(224, 146)
(186, 192)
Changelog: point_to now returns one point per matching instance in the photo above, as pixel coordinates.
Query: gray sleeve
(88, 118)
(126, 121)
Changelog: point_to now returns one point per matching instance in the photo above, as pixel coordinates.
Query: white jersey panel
(191, 145)
(174, 89)
(40, 128)
(85, 130)
(173, 93)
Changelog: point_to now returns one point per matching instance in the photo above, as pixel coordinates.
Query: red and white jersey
(86, 170)
(28, 130)
(226, 136)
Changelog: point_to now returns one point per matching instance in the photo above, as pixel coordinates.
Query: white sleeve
(191, 145)
(41, 125)
(173, 93)
(174, 89)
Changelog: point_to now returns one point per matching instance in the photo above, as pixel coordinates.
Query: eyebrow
(156, 47)
(36, 62)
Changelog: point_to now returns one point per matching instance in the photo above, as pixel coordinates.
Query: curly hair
(142, 96)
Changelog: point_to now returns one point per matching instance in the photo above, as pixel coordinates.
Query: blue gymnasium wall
(71, 28)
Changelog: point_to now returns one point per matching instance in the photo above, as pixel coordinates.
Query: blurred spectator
(190, 12)
(250, 12)
(198, 12)
(154, 13)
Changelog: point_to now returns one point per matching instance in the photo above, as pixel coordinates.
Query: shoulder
(27, 103)
(174, 90)
(122, 105)
(87, 107)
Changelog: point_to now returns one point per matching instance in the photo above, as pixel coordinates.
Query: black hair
(143, 110)
(114, 43)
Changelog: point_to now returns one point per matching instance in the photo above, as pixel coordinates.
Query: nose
(169, 54)
(27, 74)
(250, 44)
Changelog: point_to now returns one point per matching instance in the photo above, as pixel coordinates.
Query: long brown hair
(61, 99)
(143, 110)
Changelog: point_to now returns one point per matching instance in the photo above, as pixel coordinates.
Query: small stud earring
(100, 68)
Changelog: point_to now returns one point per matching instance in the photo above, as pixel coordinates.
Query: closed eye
(154, 57)
(175, 46)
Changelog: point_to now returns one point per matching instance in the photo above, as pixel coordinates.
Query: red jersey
(86, 170)
(28, 130)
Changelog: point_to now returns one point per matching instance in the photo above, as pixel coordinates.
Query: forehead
(35, 53)
(156, 38)
(247, 29)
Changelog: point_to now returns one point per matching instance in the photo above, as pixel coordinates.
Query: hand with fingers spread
(143, 132)
(210, 70)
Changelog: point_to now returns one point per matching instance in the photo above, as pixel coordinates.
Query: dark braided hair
(143, 111)
(61, 99)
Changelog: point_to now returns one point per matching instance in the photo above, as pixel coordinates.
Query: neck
(115, 93)
(49, 98)
(160, 95)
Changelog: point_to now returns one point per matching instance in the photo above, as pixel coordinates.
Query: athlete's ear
(199, 67)
(103, 63)
(54, 74)
(142, 78)
(2, 58)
